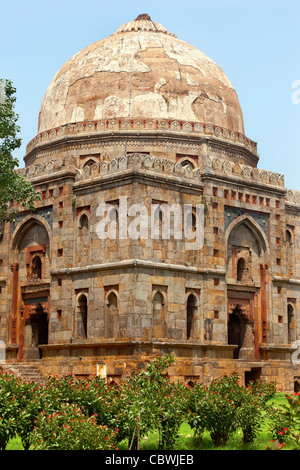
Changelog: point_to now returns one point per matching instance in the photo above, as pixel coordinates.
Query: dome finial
(143, 17)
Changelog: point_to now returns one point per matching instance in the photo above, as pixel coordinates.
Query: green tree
(13, 185)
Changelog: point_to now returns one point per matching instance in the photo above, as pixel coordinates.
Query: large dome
(141, 71)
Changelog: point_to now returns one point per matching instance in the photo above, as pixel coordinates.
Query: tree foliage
(13, 185)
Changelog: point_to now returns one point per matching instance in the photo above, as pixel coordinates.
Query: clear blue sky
(255, 42)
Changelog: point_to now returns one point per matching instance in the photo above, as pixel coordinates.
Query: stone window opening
(159, 221)
(289, 251)
(113, 219)
(82, 316)
(241, 268)
(83, 222)
(112, 321)
(158, 321)
(36, 267)
(112, 300)
(187, 163)
(191, 309)
(291, 323)
(289, 237)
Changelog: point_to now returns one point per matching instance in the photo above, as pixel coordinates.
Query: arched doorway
(241, 333)
(247, 278)
(235, 332)
(39, 325)
(36, 331)
(30, 245)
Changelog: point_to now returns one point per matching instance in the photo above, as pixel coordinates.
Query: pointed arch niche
(191, 314)
(159, 313)
(112, 313)
(29, 316)
(247, 257)
(81, 316)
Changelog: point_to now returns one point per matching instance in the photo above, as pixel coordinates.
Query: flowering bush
(250, 415)
(90, 395)
(67, 412)
(196, 410)
(8, 408)
(225, 406)
(149, 401)
(263, 390)
(29, 406)
(69, 429)
(293, 419)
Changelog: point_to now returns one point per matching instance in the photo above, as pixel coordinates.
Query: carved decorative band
(206, 165)
(142, 125)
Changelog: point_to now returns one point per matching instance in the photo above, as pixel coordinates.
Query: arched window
(159, 325)
(288, 237)
(112, 315)
(157, 222)
(191, 221)
(82, 316)
(36, 267)
(289, 251)
(84, 222)
(241, 265)
(191, 308)
(89, 163)
(185, 163)
(112, 301)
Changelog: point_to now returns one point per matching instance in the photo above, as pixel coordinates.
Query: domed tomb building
(146, 125)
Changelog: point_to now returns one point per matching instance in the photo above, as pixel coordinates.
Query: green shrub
(147, 401)
(9, 408)
(196, 410)
(70, 429)
(250, 415)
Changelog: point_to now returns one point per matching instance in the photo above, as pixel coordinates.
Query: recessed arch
(90, 161)
(24, 225)
(82, 315)
(83, 222)
(255, 229)
(112, 298)
(36, 267)
(191, 309)
(292, 334)
(159, 313)
(289, 236)
(112, 314)
(241, 264)
(185, 161)
(160, 293)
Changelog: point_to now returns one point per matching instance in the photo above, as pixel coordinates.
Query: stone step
(29, 372)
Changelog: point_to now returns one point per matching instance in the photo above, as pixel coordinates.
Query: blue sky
(255, 42)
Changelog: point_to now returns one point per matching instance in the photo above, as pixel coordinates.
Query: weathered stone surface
(144, 73)
(78, 300)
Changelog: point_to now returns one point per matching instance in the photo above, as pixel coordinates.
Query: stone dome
(141, 71)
